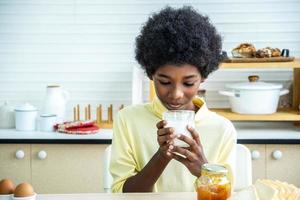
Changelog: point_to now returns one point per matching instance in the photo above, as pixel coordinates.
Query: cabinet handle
(255, 155)
(20, 154)
(277, 154)
(42, 155)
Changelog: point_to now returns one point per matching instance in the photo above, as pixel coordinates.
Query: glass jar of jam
(213, 184)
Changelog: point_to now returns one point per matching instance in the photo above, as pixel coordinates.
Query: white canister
(7, 116)
(47, 122)
(25, 116)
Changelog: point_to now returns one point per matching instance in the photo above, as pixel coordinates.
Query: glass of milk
(179, 120)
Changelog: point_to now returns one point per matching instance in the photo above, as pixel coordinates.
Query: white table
(123, 196)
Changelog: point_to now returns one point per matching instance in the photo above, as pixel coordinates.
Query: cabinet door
(284, 167)
(67, 168)
(259, 162)
(15, 166)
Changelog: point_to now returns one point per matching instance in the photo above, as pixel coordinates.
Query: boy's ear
(202, 80)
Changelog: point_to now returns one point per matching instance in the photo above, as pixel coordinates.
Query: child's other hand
(194, 155)
(165, 137)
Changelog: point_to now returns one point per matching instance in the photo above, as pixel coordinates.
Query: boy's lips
(173, 106)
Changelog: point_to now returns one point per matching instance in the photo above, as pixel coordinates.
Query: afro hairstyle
(176, 37)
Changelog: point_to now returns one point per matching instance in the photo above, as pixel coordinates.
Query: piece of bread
(267, 52)
(264, 53)
(244, 50)
(276, 52)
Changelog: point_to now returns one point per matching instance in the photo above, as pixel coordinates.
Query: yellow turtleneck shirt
(135, 142)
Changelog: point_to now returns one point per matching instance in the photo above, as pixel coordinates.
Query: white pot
(25, 115)
(254, 97)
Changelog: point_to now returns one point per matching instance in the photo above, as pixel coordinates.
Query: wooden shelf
(291, 65)
(281, 115)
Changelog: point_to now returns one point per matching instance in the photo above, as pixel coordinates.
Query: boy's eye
(189, 84)
(164, 82)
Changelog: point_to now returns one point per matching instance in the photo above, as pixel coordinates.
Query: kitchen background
(87, 46)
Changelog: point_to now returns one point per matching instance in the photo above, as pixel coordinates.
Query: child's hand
(194, 155)
(165, 137)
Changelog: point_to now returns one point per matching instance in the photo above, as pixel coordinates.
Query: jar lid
(25, 107)
(214, 168)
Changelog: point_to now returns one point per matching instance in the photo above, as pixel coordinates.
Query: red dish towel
(78, 127)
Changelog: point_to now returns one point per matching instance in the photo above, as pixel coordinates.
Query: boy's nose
(176, 93)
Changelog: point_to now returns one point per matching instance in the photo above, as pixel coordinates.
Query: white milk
(179, 121)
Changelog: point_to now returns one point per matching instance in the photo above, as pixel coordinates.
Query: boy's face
(176, 86)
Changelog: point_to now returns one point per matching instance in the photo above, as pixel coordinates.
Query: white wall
(87, 46)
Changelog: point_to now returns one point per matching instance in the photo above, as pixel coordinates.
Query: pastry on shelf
(276, 52)
(263, 53)
(267, 52)
(244, 50)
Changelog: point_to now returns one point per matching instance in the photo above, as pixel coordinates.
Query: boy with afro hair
(178, 49)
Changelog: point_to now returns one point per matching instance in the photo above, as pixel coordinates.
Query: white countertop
(245, 130)
(103, 134)
(267, 130)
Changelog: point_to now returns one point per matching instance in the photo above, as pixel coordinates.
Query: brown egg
(6, 186)
(23, 190)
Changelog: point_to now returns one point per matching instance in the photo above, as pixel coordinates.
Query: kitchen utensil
(55, 102)
(7, 116)
(254, 97)
(25, 115)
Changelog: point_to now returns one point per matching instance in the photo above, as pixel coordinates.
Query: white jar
(47, 122)
(25, 115)
(7, 117)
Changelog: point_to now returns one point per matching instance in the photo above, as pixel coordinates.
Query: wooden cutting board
(256, 60)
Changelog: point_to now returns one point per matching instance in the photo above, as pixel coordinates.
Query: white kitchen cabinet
(55, 168)
(72, 168)
(259, 162)
(276, 162)
(15, 162)
(283, 163)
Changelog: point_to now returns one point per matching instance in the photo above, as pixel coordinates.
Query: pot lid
(25, 107)
(254, 84)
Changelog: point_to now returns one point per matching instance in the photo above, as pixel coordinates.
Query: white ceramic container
(46, 123)
(25, 116)
(179, 120)
(55, 102)
(254, 97)
(7, 116)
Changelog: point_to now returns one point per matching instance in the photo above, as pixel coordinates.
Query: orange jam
(213, 184)
(214, 192)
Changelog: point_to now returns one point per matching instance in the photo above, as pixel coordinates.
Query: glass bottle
(213, 184)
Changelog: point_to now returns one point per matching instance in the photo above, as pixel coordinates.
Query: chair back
(107, 178)
(243, 167)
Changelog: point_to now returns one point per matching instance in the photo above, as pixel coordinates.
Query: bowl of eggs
(23, 191)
